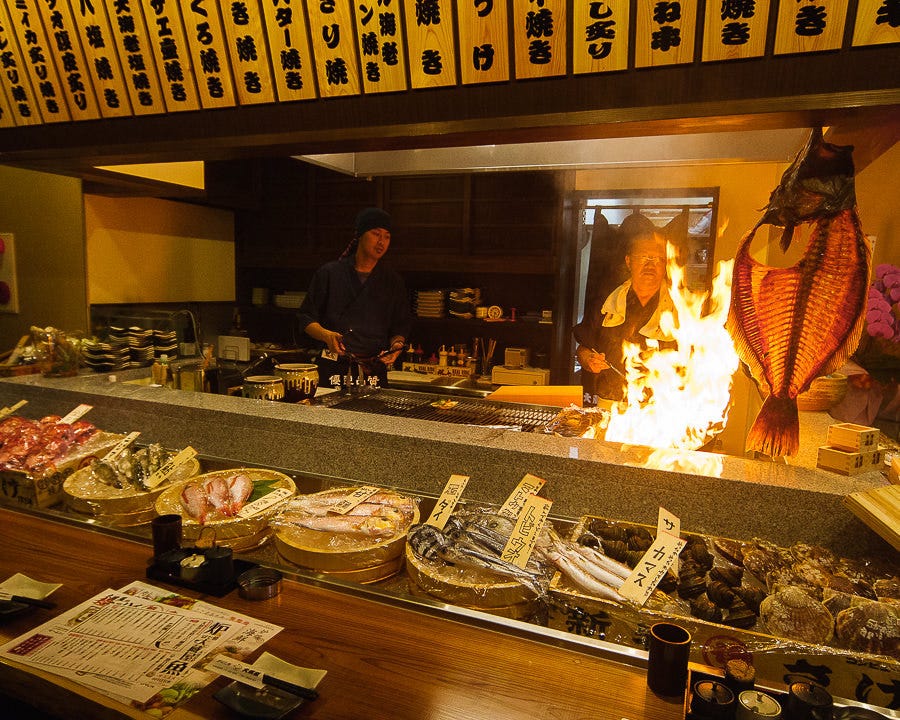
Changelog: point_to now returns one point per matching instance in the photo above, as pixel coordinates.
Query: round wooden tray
(465, 586)
(519, 611)
(231, 531)
(332, 552)
(85, 494)
(365, 576)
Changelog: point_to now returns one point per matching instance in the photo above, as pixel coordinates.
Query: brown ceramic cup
(667, 659)
(166, 531)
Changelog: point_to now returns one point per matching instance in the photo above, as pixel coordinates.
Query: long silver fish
(430, 543)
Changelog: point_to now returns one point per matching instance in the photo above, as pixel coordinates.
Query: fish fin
(787, 235)
(776, 430)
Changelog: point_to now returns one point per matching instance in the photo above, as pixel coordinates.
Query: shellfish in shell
(791, 613)
(870, 627)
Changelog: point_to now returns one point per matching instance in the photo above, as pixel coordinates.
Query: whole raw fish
(792, 325)
(195, 501)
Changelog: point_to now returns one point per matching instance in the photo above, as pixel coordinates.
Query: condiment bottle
(754, 705)
(808, 701)
(159, 372)
(711, 699)
(442, 355)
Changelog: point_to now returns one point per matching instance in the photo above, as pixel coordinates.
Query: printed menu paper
(134, 643)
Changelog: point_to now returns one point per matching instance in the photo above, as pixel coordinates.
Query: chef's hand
(592, 360)
(334, 341)
(389, 357)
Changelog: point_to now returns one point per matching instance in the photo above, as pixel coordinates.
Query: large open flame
(679, 399)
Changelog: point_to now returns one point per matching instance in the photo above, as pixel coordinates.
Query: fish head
(427, 541)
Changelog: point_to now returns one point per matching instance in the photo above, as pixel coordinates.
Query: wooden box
(778, 661)
(847, 462)
(852, 437)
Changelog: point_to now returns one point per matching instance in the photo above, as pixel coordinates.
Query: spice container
(711, 699)
(753, 704)
(808, 701)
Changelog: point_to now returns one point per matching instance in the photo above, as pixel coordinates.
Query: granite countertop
(734, 497)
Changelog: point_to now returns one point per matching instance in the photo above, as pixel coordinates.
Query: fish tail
(776, 430)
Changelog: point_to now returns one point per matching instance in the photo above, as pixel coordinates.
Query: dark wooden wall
(501, 232)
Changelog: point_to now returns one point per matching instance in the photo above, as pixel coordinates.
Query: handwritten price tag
(10, 410)
(652, 568)
(169, 466)
(446, 503)
(347, 503)
(528, 525)
(265, 502)
(528, 485)
(121, 445)
(76, 414)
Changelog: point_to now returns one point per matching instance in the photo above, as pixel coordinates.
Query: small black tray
(165, 573)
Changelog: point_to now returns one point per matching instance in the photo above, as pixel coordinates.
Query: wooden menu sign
(6, 116)
(71, 62)
(133, 45)
(248, 52)
(810, 26)
(288, 38)
(877, 23)
(483, 41)
(664, 32)
(170, 51)
(23, 107)
(600, 36)
(379, 29)
(429, 32)
(334, 47)
(38, 60)
(735, 29)
(208, 50)
(539, 37)
(98, 44)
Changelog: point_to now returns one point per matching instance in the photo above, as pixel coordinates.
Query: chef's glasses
(649, 259)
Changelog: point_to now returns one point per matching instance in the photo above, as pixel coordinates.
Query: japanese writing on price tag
(445, 504)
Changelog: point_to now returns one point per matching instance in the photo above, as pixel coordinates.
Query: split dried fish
(792, 325)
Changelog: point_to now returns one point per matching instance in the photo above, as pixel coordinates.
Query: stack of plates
(165, 343)
(140, 346)
(105, 356)
(430, 303)
(463, 301)
(292, 299)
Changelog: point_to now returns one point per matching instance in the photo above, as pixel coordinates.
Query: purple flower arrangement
(883, 306)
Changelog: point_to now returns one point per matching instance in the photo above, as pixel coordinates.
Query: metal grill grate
(420, 406)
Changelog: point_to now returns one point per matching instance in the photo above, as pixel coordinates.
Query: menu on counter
(135, 643)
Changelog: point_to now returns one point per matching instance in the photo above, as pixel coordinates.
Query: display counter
(714, 494)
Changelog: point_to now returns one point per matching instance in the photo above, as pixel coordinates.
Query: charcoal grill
(466, 411)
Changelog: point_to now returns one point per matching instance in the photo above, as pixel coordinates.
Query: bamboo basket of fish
(115, 490)
(363, 545)
(231, 507)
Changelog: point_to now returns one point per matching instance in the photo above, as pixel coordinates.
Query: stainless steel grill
(466, 411)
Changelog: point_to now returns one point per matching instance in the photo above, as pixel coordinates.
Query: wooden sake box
(847, 462)
(852, 437)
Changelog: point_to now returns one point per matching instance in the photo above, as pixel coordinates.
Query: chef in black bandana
(631, 313)
(356, 307)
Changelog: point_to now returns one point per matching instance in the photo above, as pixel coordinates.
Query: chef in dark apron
(358, 308)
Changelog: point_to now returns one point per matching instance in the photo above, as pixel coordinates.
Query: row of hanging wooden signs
(64, 60)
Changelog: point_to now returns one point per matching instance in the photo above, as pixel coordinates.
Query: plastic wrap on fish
(364, 542)
(791, 325)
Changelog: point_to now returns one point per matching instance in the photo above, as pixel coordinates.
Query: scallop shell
(791, 613)
(815, 553)
(761, 562)
(870, 627)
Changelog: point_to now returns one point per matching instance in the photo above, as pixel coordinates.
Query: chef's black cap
(372, 218)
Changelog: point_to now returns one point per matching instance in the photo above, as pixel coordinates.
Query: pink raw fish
(195, 501)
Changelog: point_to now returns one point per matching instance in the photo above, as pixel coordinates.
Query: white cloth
(614, 312)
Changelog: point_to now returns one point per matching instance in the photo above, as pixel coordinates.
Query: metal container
(192, 377)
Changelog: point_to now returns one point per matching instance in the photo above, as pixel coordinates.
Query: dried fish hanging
(792, 325)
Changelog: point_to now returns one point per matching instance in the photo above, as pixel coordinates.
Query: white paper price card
(265, 502)
(445, 504)
(77, 413)
(348, 502)
(667, 522)
(10, 410)
(528, 485)
(652, 568)
(121, 445)
(168, 467)
(528, 527)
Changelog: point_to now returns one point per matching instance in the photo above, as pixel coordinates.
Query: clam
(702, 608)
(887, 589)
(727, 573)
(791, 613)
(720, 593)
(739, 615)
(870, 627)
(752, 596)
